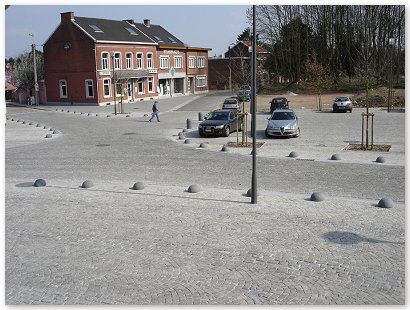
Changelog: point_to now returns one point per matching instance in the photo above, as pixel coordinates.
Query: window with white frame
(118, 89)
(201, 62)
(201, 81)
(128, 60)
(63, 89)
(104, 61)
(141, 89)
(117, 60)
(178, 62)
(89, 88)
(139, 61)
(150, 84)
(149, 61)
(191, 62)
(164, 62)
(107, 88)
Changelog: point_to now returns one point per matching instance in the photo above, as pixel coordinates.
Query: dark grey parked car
(220, 123)
(244, 95)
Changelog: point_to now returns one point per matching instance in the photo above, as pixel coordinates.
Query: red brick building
(86, 59)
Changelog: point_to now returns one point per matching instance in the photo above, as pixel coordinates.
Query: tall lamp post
(254, 198)
(36, 88)
(390, 96)
(113, 82)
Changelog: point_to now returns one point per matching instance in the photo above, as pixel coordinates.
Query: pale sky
(213, 26)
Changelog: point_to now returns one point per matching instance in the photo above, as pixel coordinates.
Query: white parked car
(342, 104)
(283, 123)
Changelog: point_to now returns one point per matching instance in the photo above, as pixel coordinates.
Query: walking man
(154, 111)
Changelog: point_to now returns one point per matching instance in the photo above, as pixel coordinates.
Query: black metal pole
(254, 199)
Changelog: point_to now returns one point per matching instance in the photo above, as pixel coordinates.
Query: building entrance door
(130, 91)
(191, 85)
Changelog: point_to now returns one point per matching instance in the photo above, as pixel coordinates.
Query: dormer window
(172, 39)
(132, 32)
(95, 28)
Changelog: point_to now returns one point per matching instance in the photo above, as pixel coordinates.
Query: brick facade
(74, 71)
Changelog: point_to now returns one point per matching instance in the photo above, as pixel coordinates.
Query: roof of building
(259, 49)
(112, 30)
(159, 35)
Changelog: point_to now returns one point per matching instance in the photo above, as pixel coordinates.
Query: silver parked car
(342, 104)
(283, 123)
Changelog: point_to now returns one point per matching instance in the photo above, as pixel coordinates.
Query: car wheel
(298, 134)
(266, 134)
(350, 110)
(201, 134)
(227, 131)
(334, 110)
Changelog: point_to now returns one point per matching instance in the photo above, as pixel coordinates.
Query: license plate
(208, 130)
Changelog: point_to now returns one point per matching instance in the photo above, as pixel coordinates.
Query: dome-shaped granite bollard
(19, 121)
(39, 183)
(31, 123)
(108, 115)
(45, 127)
(187, 141)
(24, 122)
(89, 114)
(38, 125)
(68, 111)
(249, 193)
(49, 135)
(317, 197)
(224, 148)
(335, 157)
(97, 114)
(138, 186)
(87, 184)
(204, 145)
(12, 119)
(188, 124)
(293, 154)
(380, 159)
(56, 132)
(52, 129)
(127, 115)
(56, 109)
(385, 203)
(194, 188)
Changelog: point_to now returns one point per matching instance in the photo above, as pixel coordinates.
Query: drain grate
(129, 133)
(305, 159)
(103, 144)
(375, 147)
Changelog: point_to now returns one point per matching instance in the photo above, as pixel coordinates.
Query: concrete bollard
(200, 116)
(188, 124)
(39, 183)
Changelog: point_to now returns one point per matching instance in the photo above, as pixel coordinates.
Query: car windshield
(230, 101)
(342, 99)
(283, 116)
(279, 100)
(218, 116)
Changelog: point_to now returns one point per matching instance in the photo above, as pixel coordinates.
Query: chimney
(130, 21)
(67, 17)
(147, 22)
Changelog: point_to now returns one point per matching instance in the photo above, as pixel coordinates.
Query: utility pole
(36, 88)
(254, 198)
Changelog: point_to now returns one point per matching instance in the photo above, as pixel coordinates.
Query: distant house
(235, 68)
(9, 89)
(88, 59)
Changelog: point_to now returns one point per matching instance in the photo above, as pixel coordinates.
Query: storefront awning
(132, 74)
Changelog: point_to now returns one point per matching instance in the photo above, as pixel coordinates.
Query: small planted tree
(316, 78)
(24, 70)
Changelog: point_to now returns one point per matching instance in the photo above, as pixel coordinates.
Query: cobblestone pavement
(110, 244)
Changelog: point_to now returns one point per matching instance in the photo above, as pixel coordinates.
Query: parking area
(322, 135)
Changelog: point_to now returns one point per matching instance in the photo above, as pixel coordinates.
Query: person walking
(154, 111)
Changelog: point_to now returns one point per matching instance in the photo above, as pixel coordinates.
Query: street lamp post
(113, 82)
(389, 100)
(36, 88)
(254, 198)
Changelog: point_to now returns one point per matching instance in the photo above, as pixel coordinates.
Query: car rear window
(230, 101)
(279, 100)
